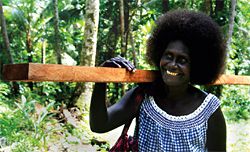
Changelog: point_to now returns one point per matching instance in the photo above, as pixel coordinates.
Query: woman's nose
(173, 64)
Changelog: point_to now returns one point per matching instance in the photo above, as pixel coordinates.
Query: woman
(188, 49)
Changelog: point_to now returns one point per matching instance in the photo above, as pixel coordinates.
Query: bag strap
(126, 127)
(139, 95)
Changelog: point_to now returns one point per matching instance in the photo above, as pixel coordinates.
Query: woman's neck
(177, 92)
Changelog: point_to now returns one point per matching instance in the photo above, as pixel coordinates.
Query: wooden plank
(233, 80)
(15, 72)
(33, 72)
(64, 73)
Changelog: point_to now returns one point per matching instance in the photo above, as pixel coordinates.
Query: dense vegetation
(42, 116)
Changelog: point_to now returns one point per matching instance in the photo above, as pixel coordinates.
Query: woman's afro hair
(202, 37)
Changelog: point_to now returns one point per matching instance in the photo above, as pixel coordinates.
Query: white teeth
(172, 73)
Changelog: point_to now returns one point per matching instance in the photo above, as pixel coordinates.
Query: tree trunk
(219, 12)
(57, 38)
(126, 25)
(122, 28)
(43, 52)
(5, 36)
(231, 27)
(133, 48)
(165, 6)
(207, 6)
(88, 53)
(29, 48)
(114, 35)
(57, 47)
(219, 6)
(123, 35)
(7, 50)
(29, 44)
(231, 24)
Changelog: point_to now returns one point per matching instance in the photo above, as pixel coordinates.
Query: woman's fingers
(127, 64)
(119, 62)
(110, 63)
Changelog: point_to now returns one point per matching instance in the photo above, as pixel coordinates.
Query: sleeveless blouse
(160, 131)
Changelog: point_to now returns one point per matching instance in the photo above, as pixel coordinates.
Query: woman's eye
(183, 61)
(169, 56)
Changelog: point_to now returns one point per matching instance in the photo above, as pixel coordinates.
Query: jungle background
(50, 116)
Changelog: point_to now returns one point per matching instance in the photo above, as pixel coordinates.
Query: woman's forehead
(177, 46)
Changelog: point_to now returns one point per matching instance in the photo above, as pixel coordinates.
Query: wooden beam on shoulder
(33, 72)
(63, 73)
(232, 80)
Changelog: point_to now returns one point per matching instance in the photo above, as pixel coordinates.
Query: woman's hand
(119, 62)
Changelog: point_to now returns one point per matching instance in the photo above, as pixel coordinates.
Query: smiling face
(175, 64)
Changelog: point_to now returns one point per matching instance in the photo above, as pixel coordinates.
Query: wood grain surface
(34, 72)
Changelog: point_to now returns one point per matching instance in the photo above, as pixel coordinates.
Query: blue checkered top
(159, 131)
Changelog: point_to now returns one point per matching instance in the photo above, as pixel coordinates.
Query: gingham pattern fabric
(159, 131)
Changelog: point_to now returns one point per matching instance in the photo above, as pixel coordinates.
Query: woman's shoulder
(198, 93)
(211, 104)
(204, 96)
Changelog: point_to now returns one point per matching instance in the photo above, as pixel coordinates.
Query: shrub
(236, 102)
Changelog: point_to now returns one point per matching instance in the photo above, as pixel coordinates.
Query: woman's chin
(175, 80)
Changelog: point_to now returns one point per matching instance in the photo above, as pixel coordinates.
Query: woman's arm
(103, 119)
(216, 136)
(98, 111)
